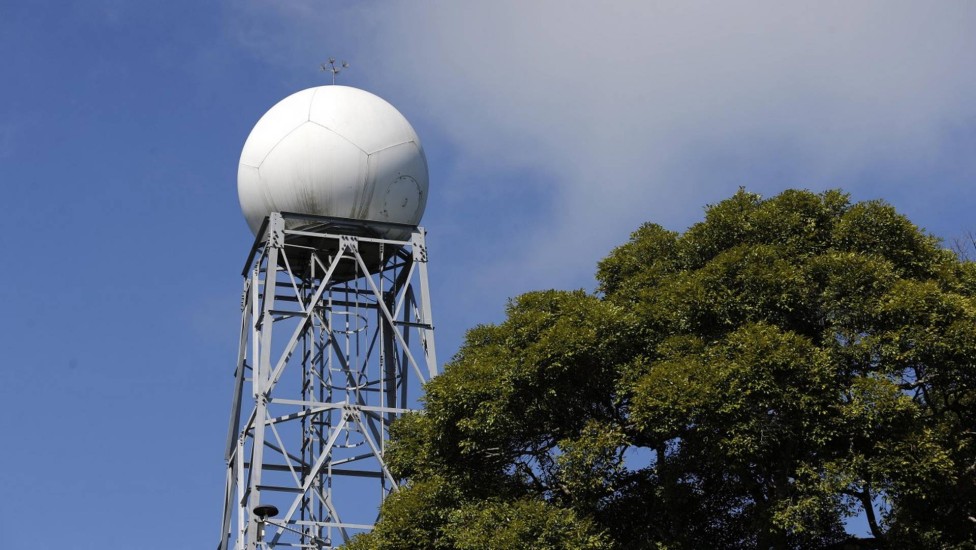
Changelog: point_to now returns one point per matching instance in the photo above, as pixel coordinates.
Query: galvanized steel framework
(336, 322)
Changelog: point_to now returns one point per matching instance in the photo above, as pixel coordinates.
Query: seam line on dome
(340, 135)
(308, 114)
(280, 141)
(392, 146)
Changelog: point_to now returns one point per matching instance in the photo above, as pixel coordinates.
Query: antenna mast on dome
(331, 68)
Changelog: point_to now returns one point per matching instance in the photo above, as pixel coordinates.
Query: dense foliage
(782, 366)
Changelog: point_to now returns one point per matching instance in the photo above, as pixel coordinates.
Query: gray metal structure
(336, 334)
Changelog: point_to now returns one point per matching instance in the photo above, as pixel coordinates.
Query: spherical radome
(333, 151)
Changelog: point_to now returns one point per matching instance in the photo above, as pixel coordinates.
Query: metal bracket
(276, 230)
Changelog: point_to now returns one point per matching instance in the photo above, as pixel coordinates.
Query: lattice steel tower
(336, 332)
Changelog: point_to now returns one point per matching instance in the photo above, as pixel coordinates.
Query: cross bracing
(336, 334)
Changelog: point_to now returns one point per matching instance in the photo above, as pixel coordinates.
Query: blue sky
(552, 130)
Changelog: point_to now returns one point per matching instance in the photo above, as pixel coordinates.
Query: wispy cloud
(626, 112)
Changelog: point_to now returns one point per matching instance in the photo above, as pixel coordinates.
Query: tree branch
(865, 498)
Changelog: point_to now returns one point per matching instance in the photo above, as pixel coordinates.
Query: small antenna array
(331, 67)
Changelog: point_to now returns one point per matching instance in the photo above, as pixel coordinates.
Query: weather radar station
(336, 327)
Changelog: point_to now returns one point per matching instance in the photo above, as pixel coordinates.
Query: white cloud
(635, 111)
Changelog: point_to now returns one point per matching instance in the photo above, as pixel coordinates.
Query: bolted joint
(418, 245)
(419, 253)
(350, 243)
(276, 230)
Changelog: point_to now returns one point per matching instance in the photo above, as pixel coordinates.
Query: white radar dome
(334, 151)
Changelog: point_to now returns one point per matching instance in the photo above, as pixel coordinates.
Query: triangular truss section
(336, 339)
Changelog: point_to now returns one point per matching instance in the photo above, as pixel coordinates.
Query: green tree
(780, 367)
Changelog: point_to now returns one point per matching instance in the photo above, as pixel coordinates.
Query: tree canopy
(780, 367)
